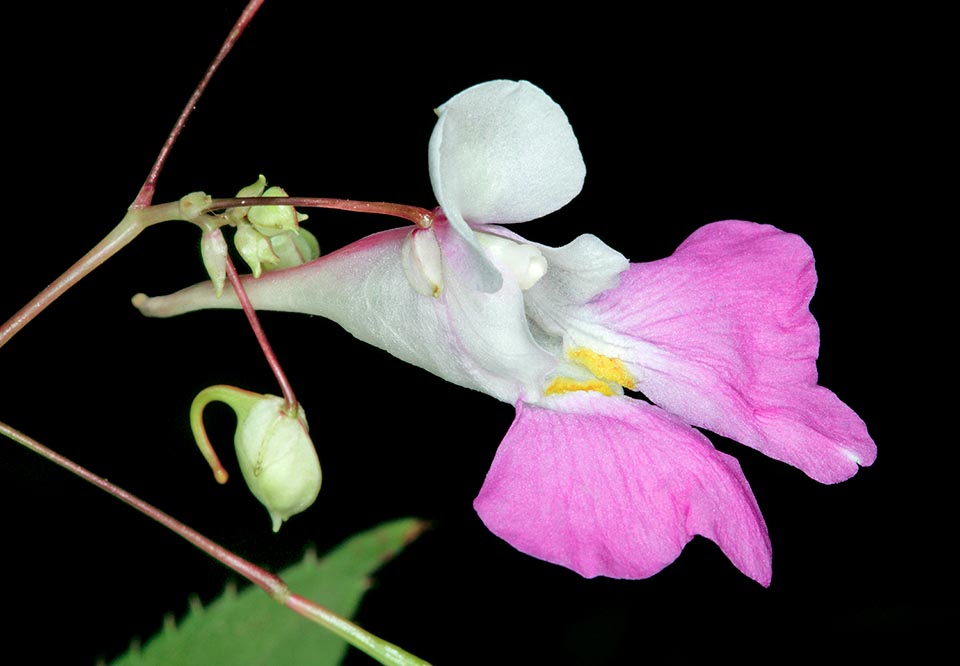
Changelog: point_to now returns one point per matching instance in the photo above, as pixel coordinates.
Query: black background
(809, 123)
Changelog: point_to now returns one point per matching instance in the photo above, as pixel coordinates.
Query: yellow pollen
(604, 367)
(566, 385)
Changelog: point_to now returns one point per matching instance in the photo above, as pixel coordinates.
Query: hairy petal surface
(468, 337)
(721, 335)
(502, 152)
(612, 486)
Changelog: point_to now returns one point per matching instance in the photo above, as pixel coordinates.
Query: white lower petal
(468, 337)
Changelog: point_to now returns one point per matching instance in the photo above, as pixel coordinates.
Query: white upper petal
(502, 152)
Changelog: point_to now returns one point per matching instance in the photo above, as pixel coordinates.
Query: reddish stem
(421, 217)
(124, 234)
(145, 196)
(248, 309)
(270, 583)
(118, 238)
(273, 585)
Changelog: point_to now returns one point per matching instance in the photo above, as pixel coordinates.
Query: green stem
(239, 400)
(379, 649)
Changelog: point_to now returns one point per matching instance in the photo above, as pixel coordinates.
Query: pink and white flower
(717, 336)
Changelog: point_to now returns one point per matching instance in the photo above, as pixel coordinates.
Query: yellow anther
(566, 385)
(603, 367)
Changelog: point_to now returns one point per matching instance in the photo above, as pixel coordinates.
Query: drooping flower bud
(254, 247)
(277, 459)
(214, 251)
(274, 449)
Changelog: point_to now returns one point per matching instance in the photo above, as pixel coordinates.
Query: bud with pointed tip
(274, 449)
(214, 252)
(238, 215)
(277, 459)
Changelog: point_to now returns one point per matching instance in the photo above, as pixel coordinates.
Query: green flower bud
(269, 237)
(292, 249)
(238, 215)
(254, 247)
(213, 251)
(254, 190)
(277, 459)
(270, 220)
(191, 205)
(274, 449)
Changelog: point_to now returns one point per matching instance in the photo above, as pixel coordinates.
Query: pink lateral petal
(612, 486)
(724, 339)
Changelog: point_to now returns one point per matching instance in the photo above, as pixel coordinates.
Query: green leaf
(250, 629)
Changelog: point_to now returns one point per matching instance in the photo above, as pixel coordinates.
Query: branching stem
(129, 228)
(141, 215)
(132, 224)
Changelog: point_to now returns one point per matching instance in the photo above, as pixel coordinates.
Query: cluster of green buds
(274, 449)
(269, 237)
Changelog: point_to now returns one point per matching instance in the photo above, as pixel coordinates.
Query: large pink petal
(722, 336)
(612, 486)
